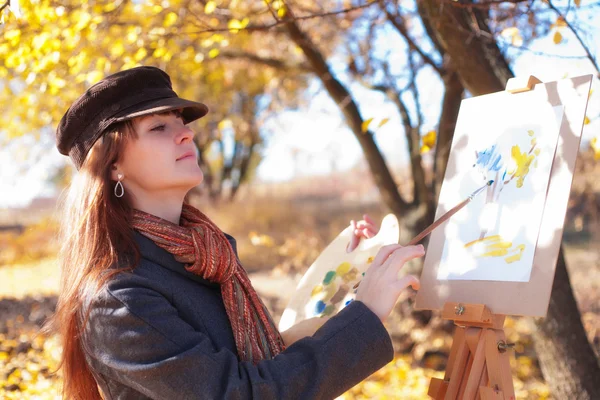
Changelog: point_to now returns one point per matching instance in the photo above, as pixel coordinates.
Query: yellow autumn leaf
(365, 125)
(429, 139)
(170, 19)
(514, 34)
(235, 25)
(213, 53)
(383, 122)
(557, 38)
(210, 7)
(223, 124)
(595, 145)
(560, 21)
(117, 50)
(140, 54)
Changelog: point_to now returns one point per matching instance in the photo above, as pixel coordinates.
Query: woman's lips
(187, 155)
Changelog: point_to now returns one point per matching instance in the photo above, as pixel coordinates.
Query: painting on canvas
(494, 238)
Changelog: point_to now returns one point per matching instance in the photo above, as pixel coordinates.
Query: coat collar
(151, 252)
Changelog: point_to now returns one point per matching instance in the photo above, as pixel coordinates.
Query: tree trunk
(453, 92)
(465, 37)
(340, 94)
(566, 357)
(560, 339)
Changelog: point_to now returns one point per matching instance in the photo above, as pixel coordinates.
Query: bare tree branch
(271, 62)
(264, 27)
(484, 4)
(398, 23)
(3, 6)
(572, 28)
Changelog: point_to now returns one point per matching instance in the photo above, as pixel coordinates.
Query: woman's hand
(302, 329)
(380, 287)
(364, 228)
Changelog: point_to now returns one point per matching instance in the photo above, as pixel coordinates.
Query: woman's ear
(114, 173)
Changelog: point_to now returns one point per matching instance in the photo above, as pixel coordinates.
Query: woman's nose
(185, 133)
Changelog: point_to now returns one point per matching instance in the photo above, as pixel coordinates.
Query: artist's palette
(327, 286)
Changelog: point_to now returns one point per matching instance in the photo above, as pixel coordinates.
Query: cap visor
(190, 110)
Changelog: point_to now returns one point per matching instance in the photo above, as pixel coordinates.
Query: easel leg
(478, 367)
(474, 376)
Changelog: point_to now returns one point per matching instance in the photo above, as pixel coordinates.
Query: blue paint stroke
(490, 160)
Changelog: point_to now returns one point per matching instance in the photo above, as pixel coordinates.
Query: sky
(317, 135)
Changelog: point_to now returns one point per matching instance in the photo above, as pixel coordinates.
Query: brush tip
(490, 182)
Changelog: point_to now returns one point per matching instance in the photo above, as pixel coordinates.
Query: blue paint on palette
(319, 307)
(348, 302)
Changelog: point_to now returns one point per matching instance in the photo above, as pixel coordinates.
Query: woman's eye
(160, 127)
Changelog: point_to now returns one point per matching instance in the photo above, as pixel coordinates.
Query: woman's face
(162, 160)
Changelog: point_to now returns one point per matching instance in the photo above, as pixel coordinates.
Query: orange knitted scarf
(199, 244)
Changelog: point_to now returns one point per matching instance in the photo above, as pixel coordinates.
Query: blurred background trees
(250, 61)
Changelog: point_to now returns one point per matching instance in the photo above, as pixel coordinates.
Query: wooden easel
(478, 366)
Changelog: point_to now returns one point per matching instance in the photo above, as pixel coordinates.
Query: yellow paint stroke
(530, 132)
(500, 245)
(516, 257)
(523, 162)
(496, 247)
(485, 239)
(495, 253)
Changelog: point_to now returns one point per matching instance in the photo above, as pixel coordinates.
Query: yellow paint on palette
(370, 260)
(343, 268)
(329, 292)
(351, 275)
(316, 290)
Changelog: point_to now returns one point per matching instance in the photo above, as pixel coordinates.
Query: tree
(58, 49)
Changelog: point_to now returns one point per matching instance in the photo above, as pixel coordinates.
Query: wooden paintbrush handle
(434, 225)
(438, 222)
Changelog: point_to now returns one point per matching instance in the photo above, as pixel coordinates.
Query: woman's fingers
(384, 253)
(354, 239)
(406, 281)
(368, 219)
(400, 256)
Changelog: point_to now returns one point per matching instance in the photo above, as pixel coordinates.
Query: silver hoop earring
(119, 189)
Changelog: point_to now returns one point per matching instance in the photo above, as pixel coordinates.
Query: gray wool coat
(161, 332)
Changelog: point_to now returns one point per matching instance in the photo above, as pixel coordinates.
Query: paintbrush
(444, 218)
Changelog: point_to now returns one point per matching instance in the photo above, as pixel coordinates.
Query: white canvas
(513, 143)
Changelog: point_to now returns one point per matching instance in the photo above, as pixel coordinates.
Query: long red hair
(96, 236)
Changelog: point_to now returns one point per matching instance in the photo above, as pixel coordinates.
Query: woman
(154, 302)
